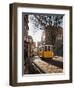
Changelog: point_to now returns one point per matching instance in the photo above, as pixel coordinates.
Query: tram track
(48, 66)
(54, 62)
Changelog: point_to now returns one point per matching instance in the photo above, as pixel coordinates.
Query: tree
(49, 23)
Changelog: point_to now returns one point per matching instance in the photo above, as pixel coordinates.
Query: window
(49, 48)
(45, 48)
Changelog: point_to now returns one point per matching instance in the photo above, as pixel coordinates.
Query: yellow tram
(46, 51)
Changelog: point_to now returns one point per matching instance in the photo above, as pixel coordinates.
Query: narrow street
(43, 43)
(46, 65)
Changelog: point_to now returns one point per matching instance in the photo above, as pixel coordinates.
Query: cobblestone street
(46, 66)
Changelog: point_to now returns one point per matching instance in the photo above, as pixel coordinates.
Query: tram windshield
(46, 48)
(49, 48)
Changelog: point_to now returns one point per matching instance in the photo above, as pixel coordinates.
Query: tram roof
(45, 45)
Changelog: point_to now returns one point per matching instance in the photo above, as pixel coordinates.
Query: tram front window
(49, 48)
(45, 48)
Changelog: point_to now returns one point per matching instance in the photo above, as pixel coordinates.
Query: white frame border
(42, 77)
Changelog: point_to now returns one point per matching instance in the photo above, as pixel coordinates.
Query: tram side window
(45, 48)
(40, 49)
